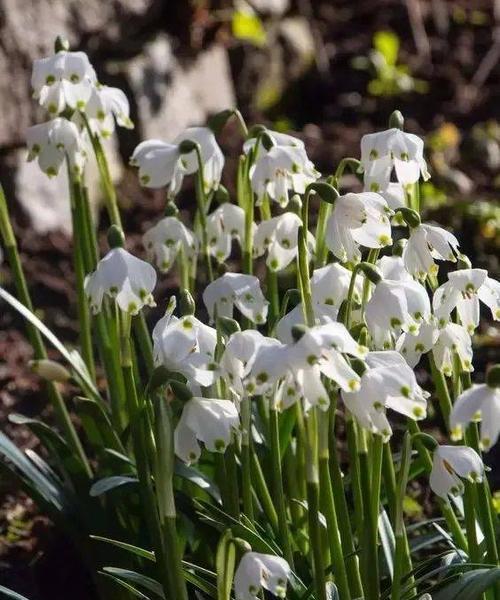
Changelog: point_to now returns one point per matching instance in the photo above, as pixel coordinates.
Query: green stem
(352, 446)
(246, 475)
(271, 276)
(263, 493)
(303, 264)
(144, 341)
(201, 200)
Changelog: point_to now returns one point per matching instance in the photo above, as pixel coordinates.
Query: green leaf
(11, 594)
(224, 565)
(127, 586)
(147, 554)
(470, 585)
(97, 425)
(387, 43)
(287, 420)
(73, 358)
(197, 478)
(107, 484)
(387, 540)
(247, 26)
(149, 584)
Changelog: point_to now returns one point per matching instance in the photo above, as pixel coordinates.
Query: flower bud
(160, 377)
(371, 272)
(298, 331)
(50, 370)
(216, 122)
(396, 120)
(228, 326)
(116, 239)
(411, 217)
(187, 146)
(493, 377)
(171, 210)
(325, 191)
(187, 305)
(241, 544)
(181, 391)
(61, 43)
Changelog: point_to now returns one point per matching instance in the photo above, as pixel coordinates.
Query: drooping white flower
(463, 291)
(393, 193)
(105, 106)
(209, 420)
(396, 306)
(51, 142)
(278, 138)
(413, 346)
(323, 313)
(63, 80)
(261, 571)
(479, 403)
(162, 164)
(426, 243)
(453, 339)
(128, 280)
(236, 289)
(227, 222)
(279, 236)
(281, 170)
(237, 358)
(358, 220)
(451, 464)
(393, 267)
(392, 149)
(165, 239)
(269, 363)
(186, 345)
(387, 383)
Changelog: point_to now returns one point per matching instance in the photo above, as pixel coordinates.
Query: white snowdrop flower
(105, 106)
(426, 243)
(238, 356)
(393, 193)
(186, 345)
(396, 306)
(281, 170)
(330, 285)
(50, 143)
(278, 138)
(463, 291)
(393, 149)
(393, 268)
(261, 571)
(162, 164)
(236, 289)
(63, 80)
(225, 223)
(128, 280)
(479, 403)
(323, 313)
(279, 237)
(450, 464)
(165, 239)
(387, 383)
(269, 363)
(452, 339)
(358, 220)
(412, 347)
(209, 420)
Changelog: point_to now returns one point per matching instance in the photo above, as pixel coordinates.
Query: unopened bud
(411, 217)
(160, 377)
(61, 44)
(298, 331)
(326, 192)
(493, 377)
(187, 146)
(242, 545)
(187, 304)
(181, 391)
(371, 272)
(228, 326)
(116, 239)
(216, 122)
(396, 120)
(50, 370)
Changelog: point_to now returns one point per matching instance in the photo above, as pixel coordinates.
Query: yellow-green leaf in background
(387, 43)
(247, 26)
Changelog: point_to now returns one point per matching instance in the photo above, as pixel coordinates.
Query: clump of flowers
(225, 422)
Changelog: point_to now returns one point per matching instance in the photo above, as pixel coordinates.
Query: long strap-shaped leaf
(6, 593)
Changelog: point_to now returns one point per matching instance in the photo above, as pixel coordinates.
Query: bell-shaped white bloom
(209, 420)
(393, 267)
(426, 243)
(358, 220)
(279, 236)
(388, 383)
(450, 464)
(396, 306)
(479, 403)
(161, 163)
(63, 80)
(330, 285)
(278, 138)
(226, 223)
(127, 279)
(453, 339)
(281, 170)
(393, 149)
(105, 106)
(463, 291)
(260, 571)
(164, 241)
(393, 193)
(237, 358)
(235, 289)
(50, 143)
(269, 363)
(413, 346)
(186, 345)
(323, 313)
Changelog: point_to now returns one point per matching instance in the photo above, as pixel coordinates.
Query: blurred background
(327, 70)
